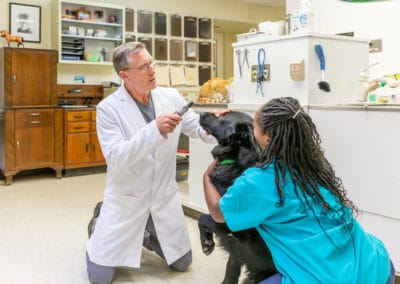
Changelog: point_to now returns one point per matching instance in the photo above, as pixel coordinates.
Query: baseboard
(190, 212)
(397, 279)
(84, 171)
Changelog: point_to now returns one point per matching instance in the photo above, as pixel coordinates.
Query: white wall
(221, 9)
(372, 20)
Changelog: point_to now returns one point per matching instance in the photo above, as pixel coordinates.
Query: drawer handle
(78, 127)
(78, 116)
(35, 121)
(35, 114)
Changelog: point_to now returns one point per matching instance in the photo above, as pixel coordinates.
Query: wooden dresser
(81, 146)
(31, 133)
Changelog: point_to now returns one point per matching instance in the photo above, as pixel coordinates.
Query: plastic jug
(305, 17)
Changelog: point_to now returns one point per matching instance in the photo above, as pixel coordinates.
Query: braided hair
(294, 146)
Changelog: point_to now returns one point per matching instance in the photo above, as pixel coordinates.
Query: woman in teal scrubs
(299, 206)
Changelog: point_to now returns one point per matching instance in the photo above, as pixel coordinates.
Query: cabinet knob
(18, 145)
(14, 78)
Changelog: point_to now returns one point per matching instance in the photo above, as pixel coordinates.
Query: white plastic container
(294, 22)
(363, 82)
(305, 17)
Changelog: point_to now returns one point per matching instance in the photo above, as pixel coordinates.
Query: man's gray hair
(121, 54)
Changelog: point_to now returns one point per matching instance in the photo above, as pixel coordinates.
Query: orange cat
(214, 90)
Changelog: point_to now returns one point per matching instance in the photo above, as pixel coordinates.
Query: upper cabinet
(29, 77)
(87, 32)
(182, 46)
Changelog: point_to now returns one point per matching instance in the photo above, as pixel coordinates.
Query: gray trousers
(99, 274)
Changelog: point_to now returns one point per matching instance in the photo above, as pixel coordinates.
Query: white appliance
(345, 57)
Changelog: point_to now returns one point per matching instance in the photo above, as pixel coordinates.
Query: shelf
(105, 24)
(92, 37)
(84, 62)
(96, 35)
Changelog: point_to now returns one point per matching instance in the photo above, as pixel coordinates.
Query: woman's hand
(210, 168)
(212, 195)
(221, 112)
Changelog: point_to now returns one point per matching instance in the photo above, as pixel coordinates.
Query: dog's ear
(248, 150)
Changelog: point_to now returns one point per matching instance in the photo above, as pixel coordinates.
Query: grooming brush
(323, 85)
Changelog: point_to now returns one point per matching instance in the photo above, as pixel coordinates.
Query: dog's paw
(208, 246)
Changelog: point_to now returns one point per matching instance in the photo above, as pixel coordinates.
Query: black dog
(236, 151)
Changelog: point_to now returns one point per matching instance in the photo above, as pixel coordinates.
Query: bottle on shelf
(305, 17)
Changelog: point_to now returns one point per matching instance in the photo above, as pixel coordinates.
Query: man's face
(139, 74)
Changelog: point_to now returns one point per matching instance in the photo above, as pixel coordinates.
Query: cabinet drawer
(78, 127)
(34, 118)
(78, 115)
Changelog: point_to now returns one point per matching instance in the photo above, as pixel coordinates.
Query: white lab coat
(141, 168)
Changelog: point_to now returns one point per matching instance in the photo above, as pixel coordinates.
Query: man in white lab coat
(138, 130)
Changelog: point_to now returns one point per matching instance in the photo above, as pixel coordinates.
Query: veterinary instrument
(238, 52)
(184, 109)
(245, 58)
(260, 71)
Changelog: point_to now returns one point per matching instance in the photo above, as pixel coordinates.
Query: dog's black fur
(234, 133)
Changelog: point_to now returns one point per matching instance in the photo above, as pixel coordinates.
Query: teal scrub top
(307, 246)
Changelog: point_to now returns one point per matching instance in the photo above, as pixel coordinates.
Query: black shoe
(96, 213)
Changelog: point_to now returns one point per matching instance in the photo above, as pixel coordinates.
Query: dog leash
(260, 71)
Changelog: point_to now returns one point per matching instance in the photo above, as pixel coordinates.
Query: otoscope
(184, 109)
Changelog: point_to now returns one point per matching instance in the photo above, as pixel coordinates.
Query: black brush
(323, 85)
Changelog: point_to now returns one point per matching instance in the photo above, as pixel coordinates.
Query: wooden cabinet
(82, 148)
(30, 123)
(29, 77)
(30, 138)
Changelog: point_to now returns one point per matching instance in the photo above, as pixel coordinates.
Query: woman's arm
(212, 196)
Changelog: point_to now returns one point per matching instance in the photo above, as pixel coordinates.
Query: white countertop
(261, 37)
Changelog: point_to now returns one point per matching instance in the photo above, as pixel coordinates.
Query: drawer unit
(34, 118)
(80, 140)
(33, 140)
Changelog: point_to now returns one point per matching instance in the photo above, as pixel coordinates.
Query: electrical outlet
(375, 45)
(266, 73)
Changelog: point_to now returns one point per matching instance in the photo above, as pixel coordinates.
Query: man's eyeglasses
(142, 68)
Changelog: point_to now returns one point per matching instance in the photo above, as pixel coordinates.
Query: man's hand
(167, 123)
